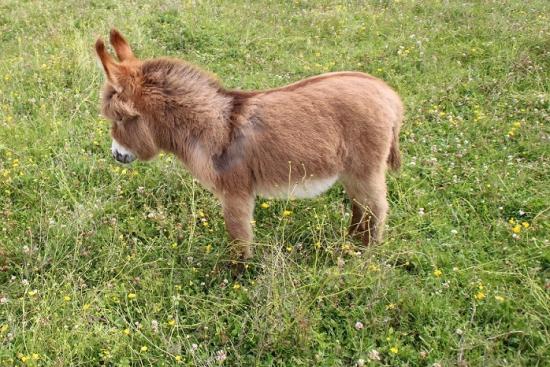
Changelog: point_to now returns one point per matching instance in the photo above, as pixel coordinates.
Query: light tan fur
(300, 137)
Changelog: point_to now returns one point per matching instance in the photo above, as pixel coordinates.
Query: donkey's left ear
(121, 46)
(110, 66)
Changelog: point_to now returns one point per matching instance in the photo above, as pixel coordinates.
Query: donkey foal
(296, 140)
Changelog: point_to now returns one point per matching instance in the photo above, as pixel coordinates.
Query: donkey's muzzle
(123, 157)
(121, 154)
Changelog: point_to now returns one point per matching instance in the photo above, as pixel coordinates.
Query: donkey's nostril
(121, 154)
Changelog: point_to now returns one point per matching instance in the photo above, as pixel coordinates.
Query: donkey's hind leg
(369, 205)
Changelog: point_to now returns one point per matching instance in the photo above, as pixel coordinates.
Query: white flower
(3, 300)
(421, 211)
(194, 347)
(155, 326)
(374, 355)
(360, 362)
(454, 231)
(359, 325)
(221, 355)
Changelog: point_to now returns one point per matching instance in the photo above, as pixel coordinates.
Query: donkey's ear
(110, 66)
(122, 49)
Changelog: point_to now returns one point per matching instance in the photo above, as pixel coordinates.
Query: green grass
(81, 235)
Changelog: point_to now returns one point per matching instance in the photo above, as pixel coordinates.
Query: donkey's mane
(174, 77)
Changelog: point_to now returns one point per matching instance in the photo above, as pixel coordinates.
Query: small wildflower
(525, 224)
(144, 349)
(499, 298)
(3, 300)
(437, 273)
(391, 306)
(394, 350)
(86, 307)
(512, 220)
(171, 322)
(208, 249)
(33, 293)
(174, 245)
(194, 347)
(35, 356)
(516, 229)
(360, 362)
(374, 355)
(66, 298)
(480, 296)
(287, 213)
(126, 331)
(178, 358)
(289, 248)
(236, 286)
(221, 355)
(132, 296)
(359, 325)
(318, 244)
(264, 205)
(373, 268)
(24, 359)
(155, 326)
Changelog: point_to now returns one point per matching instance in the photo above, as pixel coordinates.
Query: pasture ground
(105, 264)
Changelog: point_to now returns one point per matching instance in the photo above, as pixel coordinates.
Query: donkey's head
(132, 132)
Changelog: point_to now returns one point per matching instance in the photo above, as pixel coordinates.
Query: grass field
(126, 266)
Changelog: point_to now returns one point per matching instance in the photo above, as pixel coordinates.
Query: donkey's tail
(394, 158)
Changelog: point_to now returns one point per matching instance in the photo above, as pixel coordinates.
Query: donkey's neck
(200, 123)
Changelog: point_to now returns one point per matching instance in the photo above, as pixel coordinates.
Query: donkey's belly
(300, 190)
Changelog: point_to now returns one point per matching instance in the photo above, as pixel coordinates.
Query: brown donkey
(293, 141)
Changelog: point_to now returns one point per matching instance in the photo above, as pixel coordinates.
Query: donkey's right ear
(110, 66)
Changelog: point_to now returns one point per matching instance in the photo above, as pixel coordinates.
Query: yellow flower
(394, 350)
(287, 213)
(126, 331)
(391, 306)
(172, 322)
(35, 356)
(516, 228)
(517, 124)
(265, 205)
(236, 286)
(438, 273)
(479, 296)
(289, 248)
(24, 359)
(132, 296)
(318, 244)
(512, 220)
(86, 307)
(174, 245)
(525, 224)
(208, 248)
(144, 349)
(373, 268)
(33, 293)
(499, 298)
(178, 358)
(66, 298)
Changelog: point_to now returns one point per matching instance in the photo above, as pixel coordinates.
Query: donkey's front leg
(237, 212)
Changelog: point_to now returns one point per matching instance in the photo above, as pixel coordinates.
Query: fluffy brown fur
(294, 140)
